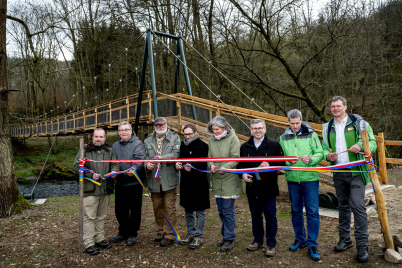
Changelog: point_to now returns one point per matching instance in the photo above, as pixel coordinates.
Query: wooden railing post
(128, 109)
(178, 103)
(149, 106)
(379, 197)
(382, 162)
(110, 114)
(96, 117)
(85, 121)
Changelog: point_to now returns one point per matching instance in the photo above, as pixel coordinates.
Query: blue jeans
(350, 192)
(192, 228)
(305, 193)
(227, 214)
(268, 207)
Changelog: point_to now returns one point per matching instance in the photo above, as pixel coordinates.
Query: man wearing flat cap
(163, 143)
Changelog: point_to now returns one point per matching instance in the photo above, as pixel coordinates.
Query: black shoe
(92, 250)
(343, 244)
(220, 243)
(362, 254)
(131, 240)
(227, 245)
(166, 242)
(103, 244)
(158, 238)
(117, 238)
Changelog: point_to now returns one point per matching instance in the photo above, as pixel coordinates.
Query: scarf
(187, 143)
(218, 137)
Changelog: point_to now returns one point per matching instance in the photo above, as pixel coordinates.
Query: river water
(50, 189)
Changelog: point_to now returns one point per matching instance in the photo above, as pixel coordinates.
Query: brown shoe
(166, 242)
(254, 246)
(270, 252)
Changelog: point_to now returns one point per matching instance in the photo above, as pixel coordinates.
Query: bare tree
(8, 183)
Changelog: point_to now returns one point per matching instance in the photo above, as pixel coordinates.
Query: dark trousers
(350, 191)
(259, 206)
(128, 209)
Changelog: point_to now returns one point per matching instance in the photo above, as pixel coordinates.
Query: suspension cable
(230, 81)
(33, 189)
(199, 79)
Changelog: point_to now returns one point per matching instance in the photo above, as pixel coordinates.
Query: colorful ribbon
(205, 159)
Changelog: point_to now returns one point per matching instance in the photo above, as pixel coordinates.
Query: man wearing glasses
(262, 188)
(163, 143)
(128, 190)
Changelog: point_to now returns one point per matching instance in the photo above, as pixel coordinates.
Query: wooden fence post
(379, 197)
(382, 162)
(81, 223)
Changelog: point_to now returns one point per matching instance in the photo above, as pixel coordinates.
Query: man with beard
(163, 143)
(96, 197)
(128, 189)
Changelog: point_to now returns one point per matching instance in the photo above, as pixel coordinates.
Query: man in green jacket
(342, 143)
(163, 143)
(301, 140)
(96, 197)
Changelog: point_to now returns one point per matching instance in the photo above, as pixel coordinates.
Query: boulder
(392, 256)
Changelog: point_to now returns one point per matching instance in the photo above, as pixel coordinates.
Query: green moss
(20, 205)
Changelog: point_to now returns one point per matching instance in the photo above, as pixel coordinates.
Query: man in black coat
(194, 186)
(261, 192)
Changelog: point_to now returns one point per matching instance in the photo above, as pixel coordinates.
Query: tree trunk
(8, 184)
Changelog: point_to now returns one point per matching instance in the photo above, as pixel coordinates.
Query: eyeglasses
(125, 130)
(160, 125)
(257, 128)
(188, 134)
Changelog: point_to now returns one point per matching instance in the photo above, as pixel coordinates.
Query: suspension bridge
(178, 108)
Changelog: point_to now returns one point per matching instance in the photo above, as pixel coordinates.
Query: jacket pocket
(89, 187)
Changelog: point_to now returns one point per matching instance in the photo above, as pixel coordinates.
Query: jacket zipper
(297, 172)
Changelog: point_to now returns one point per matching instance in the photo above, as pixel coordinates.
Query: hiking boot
(270, 252)
(189, 238)
(92, 250)
(197, 242)
(220, 243)
(158, 237)
(362, 254)
(117, 238)
(103, 244)
(297, 245)
(313, 254)
(166, 242)
(131, 240)
(227, 245)
(254, 246)
(343, 244)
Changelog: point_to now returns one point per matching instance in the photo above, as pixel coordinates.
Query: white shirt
(257, 144)
(341, 141)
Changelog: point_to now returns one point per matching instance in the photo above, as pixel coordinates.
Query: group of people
(341, 144)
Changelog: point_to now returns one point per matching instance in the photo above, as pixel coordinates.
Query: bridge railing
(177, 109)
(106, 115)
